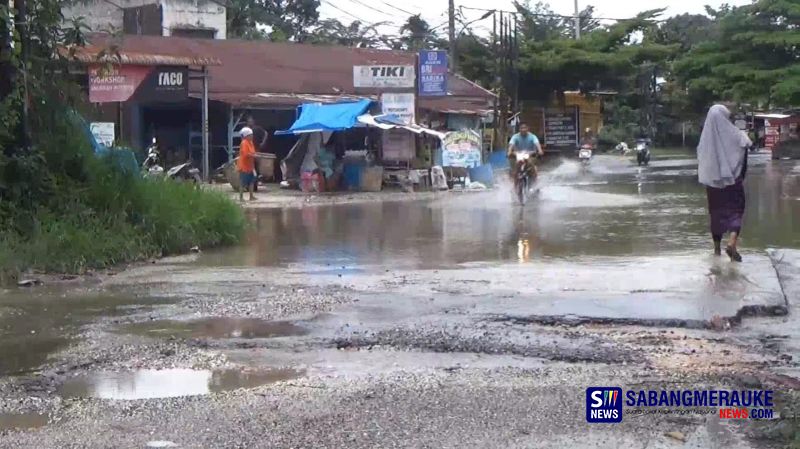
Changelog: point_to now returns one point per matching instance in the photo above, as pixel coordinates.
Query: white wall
(101, 15)
(189, 14)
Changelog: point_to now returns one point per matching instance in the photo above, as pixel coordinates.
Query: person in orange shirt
(246, 165)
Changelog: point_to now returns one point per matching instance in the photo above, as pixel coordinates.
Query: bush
(73, 211)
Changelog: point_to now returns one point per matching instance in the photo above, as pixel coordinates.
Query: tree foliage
(755, 57)
(277, 20)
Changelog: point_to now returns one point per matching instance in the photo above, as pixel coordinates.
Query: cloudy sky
(435, 11)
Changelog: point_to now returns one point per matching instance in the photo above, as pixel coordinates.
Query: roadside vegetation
(63, 208)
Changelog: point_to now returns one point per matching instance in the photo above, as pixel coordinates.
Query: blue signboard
(432, 73)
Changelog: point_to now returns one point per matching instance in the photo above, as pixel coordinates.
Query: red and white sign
(115, 83)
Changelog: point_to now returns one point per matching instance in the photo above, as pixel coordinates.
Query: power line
(399, 9)
(374, 9)
(332, 5)
(562, 16)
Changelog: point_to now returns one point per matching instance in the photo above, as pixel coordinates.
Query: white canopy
(371, 120)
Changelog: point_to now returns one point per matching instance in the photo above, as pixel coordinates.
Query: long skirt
(726, 207)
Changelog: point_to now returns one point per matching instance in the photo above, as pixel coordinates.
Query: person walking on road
(246, 164)
(722, 165)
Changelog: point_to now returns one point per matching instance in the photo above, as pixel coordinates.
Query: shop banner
(461, 149)
(108, 84)
(164, 85)
(103, 133)
(432, 73)
(561, 130)
(398, 145)
(383, 76)
(401, 105)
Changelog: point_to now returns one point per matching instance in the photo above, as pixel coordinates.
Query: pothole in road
(217, 328)
(21, 421)
(170, 383)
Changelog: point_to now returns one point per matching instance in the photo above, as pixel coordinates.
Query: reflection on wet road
(614, 209)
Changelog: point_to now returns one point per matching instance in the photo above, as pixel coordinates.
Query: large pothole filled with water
(170, 383)
(216, 328)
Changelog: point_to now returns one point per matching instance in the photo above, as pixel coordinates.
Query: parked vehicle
(585, 153)
(185, 172)
(787, 149)
(152, 163)
(526, 176)
(642, 151)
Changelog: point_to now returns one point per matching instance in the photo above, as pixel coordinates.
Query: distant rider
(526, 142)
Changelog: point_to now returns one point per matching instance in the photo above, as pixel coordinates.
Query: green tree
(356, 34)
(755, 59)
(416, 34)
(277, 20)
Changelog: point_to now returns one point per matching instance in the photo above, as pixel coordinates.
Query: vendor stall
(344, 146)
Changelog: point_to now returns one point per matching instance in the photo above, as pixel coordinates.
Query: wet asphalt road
(462, 321)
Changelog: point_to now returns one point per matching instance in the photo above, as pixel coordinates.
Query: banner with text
(432, 73)
(461, 149)
(383, 76)
(561, 130)
(117, 83)
(401, 105)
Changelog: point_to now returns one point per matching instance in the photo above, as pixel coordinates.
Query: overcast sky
(435, 11)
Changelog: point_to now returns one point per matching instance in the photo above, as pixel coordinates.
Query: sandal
(733, 254)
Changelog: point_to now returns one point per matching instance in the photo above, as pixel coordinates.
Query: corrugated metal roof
(270, 99)
(251, 67)
(92, 53)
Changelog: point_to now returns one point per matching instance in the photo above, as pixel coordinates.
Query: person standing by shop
(260, 135)
(246, 165)
(722, 165)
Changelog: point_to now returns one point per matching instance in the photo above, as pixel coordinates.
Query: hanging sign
(103, 132)
(461, 149)
(432, 73)
(401, 105)
(383, 76)
(115, 83)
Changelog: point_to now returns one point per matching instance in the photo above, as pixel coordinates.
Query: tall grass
(86, 213)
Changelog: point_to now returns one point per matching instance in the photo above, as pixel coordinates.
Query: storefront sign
(398, 145)
(461, 149)
(401, 105)
(432, 73)
(103, 132)
(115, 83)
(772, 136)
(381, 76)
(165, 84)
(561, 130)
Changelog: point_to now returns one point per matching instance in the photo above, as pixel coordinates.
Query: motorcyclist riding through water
(526, 142)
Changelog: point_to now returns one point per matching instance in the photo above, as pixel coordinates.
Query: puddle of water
(613, 209)
(169, 383)
(35, 324)
(217, 327)
(22, 421)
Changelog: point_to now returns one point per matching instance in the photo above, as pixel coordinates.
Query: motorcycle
(642, 152)
(526, 175)
(151, 166)
(585, 154)
(185, 172)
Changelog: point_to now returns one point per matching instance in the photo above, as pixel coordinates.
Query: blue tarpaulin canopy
(328, 117)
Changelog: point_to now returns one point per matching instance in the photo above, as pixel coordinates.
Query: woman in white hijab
(722, 164)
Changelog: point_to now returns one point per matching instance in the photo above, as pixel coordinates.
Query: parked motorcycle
(185, 172)
(526, 176)
(151, 166)
(642, 151)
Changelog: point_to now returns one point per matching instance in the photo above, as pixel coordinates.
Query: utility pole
(577, 21)
(451, 33)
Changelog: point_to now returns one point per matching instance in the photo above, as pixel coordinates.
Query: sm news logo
(604, 404)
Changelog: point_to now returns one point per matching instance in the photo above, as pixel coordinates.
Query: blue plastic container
(482, 174)
(352, 174)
